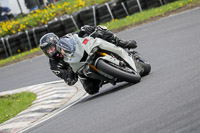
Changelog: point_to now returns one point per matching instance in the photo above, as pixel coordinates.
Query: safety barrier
(88, 16)
(93, 16)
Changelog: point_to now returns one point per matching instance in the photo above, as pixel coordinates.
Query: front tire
(145, 65)
(118, 73)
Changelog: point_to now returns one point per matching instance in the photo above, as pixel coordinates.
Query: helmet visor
(50, 51)
(67, 46)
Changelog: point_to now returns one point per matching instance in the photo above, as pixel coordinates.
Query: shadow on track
(107, 91)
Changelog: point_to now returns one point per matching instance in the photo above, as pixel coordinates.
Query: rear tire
(118, 73)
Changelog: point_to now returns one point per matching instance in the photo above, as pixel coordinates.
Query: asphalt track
(26, 73)
(167, 100)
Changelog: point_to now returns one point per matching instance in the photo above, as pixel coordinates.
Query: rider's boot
(130, 44)
(90, 85)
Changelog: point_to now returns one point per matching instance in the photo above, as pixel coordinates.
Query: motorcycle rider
(63, 70)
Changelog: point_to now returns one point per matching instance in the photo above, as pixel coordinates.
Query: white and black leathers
(64, 71)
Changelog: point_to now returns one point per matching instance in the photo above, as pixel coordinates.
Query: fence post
(29, 42)
(9, 49)
(94, 14)
(161, 2)
(34, 35)
(124, 7)
(47, 27)
(138, 2)
(74, 22)
(4, 46)
(109, 10)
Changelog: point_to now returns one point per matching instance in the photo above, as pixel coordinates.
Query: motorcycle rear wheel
(118, 73)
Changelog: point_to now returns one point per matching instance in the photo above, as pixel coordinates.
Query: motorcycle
(98, 59)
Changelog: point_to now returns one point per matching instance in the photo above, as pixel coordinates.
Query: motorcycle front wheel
(118, 73)
(145, 65)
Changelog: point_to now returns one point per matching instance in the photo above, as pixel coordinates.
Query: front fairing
(85, 45)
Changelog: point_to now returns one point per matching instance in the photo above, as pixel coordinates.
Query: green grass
(117, 24)
(148, 14)
(20, 56)
(11, 105)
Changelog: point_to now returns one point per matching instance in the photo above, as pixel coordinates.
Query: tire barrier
(119, 11)
(92, 15)
(69, 23)
(104, 13)
(30, 38)
(134, 7)
(38, 32)
(76, 20)
(56, 27)
(3, 49)
(125, 9)
(24, 39)
(13, 44)
(167, 1)
(88, 16)
(153, 3)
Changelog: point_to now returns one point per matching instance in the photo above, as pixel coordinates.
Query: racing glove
(71, 78)
(86, 31)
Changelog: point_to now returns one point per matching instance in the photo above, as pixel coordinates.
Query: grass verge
(151, 14)
(20, 57)
(11, 105)
(122, 24)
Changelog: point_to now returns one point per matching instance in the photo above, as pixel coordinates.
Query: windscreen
(68, 45)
